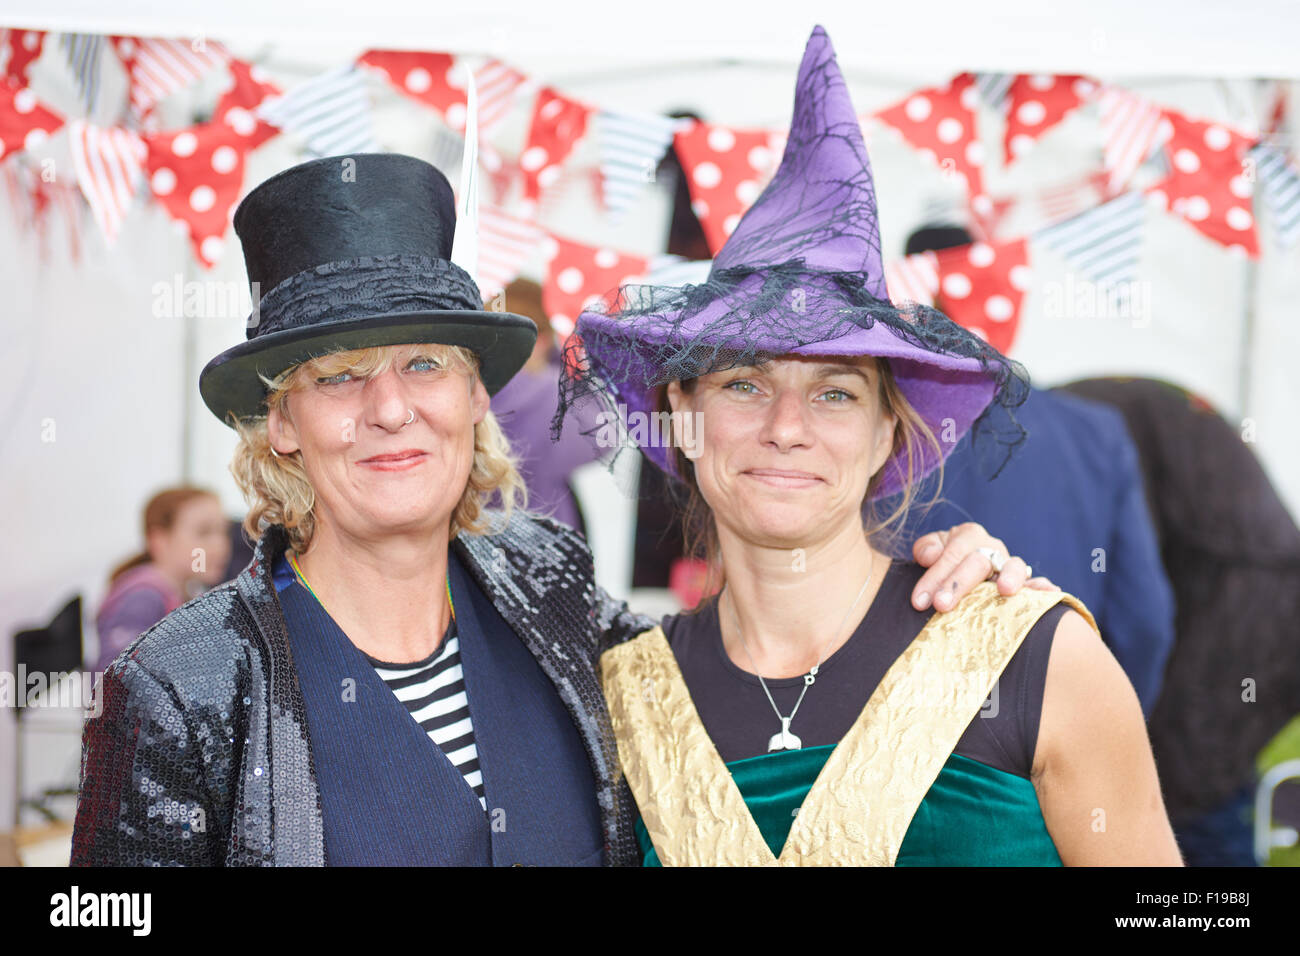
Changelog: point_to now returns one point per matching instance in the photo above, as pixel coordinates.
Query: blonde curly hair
(278, 491)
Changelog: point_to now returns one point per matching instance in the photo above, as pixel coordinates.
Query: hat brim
(230, 382)
(948, 392)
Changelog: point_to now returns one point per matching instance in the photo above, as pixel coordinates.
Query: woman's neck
(795, 607)
(388, 594)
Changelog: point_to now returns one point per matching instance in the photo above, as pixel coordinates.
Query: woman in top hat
(270, 721)
(810, 714)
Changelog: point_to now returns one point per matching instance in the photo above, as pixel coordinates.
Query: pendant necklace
(784, 739)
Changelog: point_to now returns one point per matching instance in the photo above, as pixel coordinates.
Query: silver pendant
(784, 740)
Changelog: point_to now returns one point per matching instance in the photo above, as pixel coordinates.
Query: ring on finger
(995, 559)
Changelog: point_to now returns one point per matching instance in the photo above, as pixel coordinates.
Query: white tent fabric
(1164, 38)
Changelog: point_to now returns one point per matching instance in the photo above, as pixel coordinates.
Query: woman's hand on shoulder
(956, 565)
(1093, 768)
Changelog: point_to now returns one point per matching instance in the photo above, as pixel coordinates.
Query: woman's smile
(395, 461)
(783, 478)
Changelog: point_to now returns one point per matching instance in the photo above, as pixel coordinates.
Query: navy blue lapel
(537, 778)
(389, 796)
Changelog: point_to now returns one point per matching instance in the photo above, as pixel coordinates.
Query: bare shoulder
(1086, 692)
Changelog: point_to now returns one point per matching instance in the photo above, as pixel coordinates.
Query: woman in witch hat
(809, 714)
(402, 674)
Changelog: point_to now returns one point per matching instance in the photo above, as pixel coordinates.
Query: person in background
(524, 408)
(241, 551)
(1232, 552)
(186, 552)
(1071, 503)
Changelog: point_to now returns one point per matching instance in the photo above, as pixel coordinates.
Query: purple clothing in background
(137, 601)
(525, 408)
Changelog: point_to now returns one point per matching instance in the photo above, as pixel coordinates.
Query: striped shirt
(433, 691)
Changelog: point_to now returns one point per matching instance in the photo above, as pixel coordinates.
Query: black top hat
(350, 252)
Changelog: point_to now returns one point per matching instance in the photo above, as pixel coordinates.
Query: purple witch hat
(801, 274)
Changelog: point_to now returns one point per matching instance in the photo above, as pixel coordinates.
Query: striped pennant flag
(630, 149)
(667, 269)
(498, 87)
(1063, 200)
(994, 88)
(83, 53)
(109, 162)
(504, 245)
(447, 150)
(159, 67)
(1104, 243)
(1279, 181)
(1131, 127)
(913, 278)
(331, 112)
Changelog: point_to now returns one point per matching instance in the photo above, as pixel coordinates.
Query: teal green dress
(973, 814)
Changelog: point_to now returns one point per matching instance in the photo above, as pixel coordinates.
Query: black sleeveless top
(740, 720)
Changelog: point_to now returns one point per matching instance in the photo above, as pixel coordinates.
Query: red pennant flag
(1038, 102)
(579, 276)
(24, 122)
(18, 49)
(726, 169)
(940, 122)
(1208, 185)
(982, 287)
(237, 107)
(558, 123)
(433, 79)
(197, 174)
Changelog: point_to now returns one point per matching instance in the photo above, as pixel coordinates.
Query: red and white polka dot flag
(940, 123)
(726, 169)
(18, 49)
(435, 79)
(238, 105)
(1208, 184)
(558, 123)
(1036, 103)
(579, 276)
(24, 122)
(982, 286)
(197, 174)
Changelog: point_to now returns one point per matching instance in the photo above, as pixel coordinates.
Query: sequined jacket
(200, 755)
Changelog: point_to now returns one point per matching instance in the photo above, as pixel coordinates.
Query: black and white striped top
(433, 691)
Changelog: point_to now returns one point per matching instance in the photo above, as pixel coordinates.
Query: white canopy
(561, 38)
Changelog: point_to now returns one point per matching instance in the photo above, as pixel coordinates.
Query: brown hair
(160, 515)
(276, 486)
(911, 436)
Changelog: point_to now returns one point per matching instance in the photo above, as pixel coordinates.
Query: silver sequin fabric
(201, 755)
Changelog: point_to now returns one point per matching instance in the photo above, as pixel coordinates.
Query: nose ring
(412, 418)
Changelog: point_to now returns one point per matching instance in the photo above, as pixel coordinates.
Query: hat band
(360, 288)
